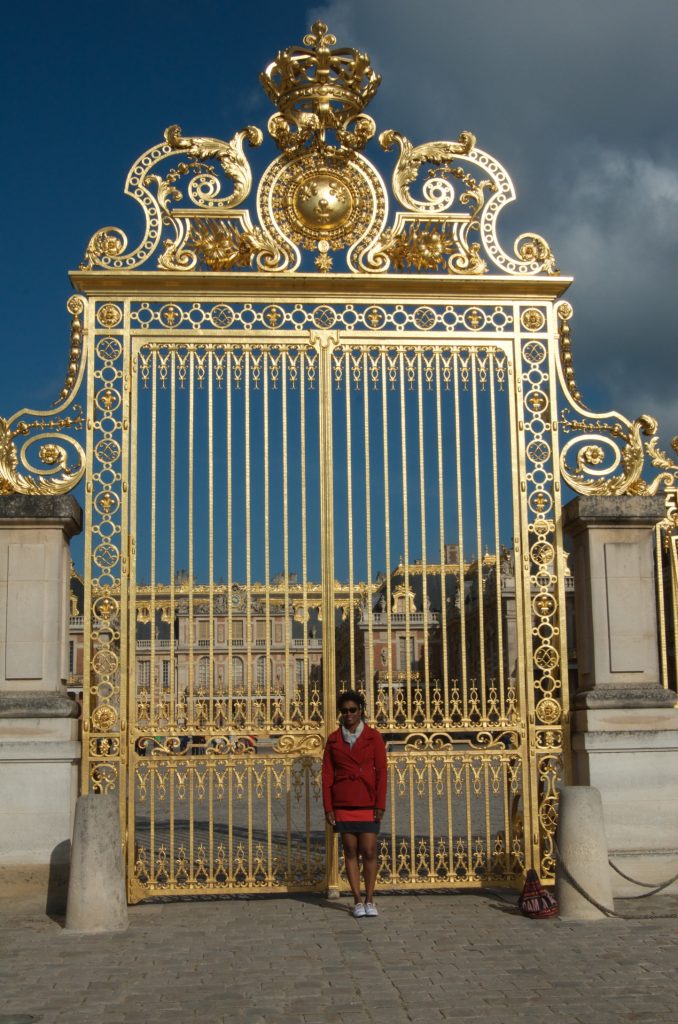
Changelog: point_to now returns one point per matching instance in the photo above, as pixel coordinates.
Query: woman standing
(354, 794)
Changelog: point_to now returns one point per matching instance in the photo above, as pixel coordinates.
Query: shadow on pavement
(57, 883)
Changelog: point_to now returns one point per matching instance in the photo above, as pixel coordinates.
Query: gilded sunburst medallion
(322, 201)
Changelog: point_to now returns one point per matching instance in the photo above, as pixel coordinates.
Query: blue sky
(578, 101)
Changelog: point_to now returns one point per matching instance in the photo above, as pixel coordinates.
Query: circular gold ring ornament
(532, 319)
(105, 608)
(109, 315)
(548, 711)
(322, 202)
(104, 718)
(546, 657)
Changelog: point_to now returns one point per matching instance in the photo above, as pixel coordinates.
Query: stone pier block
(583, 851)
(96, 887)
(625, 723)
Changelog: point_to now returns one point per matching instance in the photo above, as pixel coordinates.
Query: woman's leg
(367, 845)
(350, 843)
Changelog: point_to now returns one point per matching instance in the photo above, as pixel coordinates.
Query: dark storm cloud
(578, 100)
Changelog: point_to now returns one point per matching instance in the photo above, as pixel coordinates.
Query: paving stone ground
(462, 957)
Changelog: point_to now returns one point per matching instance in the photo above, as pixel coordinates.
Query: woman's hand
(378, 813)
(330, 819)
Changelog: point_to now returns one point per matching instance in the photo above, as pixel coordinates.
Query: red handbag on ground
(534, 900)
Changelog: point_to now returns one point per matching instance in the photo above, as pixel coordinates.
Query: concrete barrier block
(582, 851)
(96, 889)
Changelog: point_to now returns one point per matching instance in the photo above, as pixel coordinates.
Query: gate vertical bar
(325, 341)
(349, 519)
(304, 541)
(369, 666)
(443, 558)
(387, 538)
(499, 681)
(127, 607)
(424, 560)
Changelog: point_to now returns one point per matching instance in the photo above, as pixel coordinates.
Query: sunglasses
(348, 711)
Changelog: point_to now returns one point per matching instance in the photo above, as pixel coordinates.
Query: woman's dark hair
(348, 695)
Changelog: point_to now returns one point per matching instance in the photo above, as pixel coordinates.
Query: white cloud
(617, 229)
(578, 101)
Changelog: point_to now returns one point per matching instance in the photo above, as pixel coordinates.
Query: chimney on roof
(451, 554)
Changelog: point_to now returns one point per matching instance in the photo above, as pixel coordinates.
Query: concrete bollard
(583, 851)
(96, 888)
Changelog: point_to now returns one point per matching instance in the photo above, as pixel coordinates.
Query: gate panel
(425, 513)
(227, 709)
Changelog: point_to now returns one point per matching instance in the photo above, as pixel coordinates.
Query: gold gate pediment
(322, 195)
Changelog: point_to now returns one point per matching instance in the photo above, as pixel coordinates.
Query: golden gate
(324, 448)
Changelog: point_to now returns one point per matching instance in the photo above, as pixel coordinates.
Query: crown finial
(317, 89)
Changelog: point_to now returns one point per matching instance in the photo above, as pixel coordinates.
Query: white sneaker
(359, 910)
(371, 910)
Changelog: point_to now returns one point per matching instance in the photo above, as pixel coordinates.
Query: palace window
(237, 674)
(403, 650)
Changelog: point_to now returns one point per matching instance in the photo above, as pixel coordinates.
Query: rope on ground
(652, 886)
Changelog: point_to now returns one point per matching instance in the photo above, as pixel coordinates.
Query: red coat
(354, 777)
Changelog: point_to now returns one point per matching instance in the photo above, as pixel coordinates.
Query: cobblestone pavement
(304, 960)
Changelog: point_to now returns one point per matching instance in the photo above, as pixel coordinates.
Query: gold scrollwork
(603, 447)
(54, 457)
(299, 745)
(532, 248)
(505, 740)
(608, 443)
(438, 192)
(103, 777)
(204, 190)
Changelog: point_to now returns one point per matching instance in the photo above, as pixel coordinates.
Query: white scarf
(351, 737)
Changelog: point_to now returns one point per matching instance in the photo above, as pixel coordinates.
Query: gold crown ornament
(316, 89)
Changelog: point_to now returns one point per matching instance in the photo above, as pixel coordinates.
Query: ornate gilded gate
(303, 477)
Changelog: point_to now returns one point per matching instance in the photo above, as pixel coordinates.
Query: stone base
(631, 756)
(39, 761)
(626, 696)
(37, 704)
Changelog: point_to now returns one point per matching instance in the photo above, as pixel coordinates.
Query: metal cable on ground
(652, 886)
(590, 899)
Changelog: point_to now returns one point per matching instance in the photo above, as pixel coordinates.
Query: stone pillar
(624, 723)
(39, 746)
